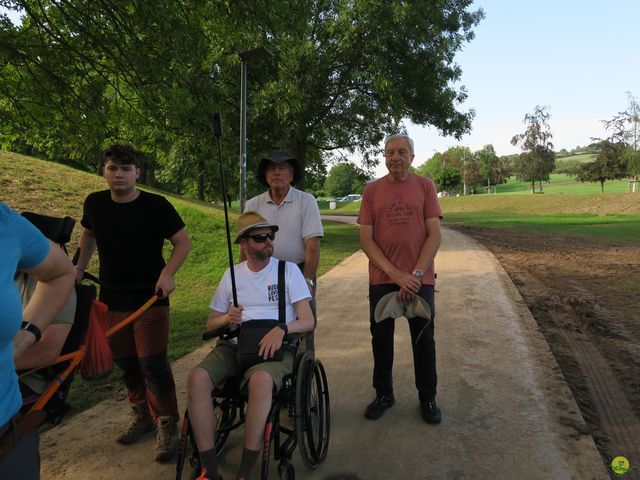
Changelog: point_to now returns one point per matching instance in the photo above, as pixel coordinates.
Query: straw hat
(249, 221)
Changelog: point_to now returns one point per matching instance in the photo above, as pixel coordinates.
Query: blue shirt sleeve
(34, 245)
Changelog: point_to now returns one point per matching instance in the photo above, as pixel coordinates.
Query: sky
(576, 57)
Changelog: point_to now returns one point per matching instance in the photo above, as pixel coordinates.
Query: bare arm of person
(404, 279)
(304, 322)
(181, 248)
(47, 350)
(427, 252)
(56, 278)
(431, 244)
(311, 257)
(87, 246)
(220, 319)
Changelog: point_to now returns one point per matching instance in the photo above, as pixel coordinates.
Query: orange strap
(78, 355)
(60, 359)
(131, 317)
(59, 380)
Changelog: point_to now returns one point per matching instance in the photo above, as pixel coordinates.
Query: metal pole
(243, 135)
(217, 131)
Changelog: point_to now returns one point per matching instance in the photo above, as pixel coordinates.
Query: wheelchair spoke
(312, 407)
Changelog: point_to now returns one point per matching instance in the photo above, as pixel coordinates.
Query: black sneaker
(430, 412)
(376, 408)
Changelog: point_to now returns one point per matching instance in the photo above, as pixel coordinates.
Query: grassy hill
(29, 184)
(611, 218)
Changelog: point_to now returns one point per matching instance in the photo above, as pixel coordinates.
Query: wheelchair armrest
(223, 332)
(226, 333)
(292, 337)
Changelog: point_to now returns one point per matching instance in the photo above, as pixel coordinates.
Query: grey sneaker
(166, 439)
(140, 423)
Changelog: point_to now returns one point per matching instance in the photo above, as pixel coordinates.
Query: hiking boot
(376, 408)
(166, 439)
(430, 412)
(140, 423)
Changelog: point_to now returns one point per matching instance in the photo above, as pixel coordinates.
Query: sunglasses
(262, 237)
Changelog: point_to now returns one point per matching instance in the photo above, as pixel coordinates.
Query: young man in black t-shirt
(128, 227)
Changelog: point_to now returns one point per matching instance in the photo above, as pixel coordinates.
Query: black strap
(281, 309)
(30, 327)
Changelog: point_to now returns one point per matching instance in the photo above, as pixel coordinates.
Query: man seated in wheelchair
(257, 296)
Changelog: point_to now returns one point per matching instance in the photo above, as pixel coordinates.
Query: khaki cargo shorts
(221, 364)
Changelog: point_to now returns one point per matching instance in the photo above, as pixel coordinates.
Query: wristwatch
(311, 282)
(284, 328)
(417, 273)
(30, 327)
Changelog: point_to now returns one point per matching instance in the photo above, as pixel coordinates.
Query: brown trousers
(140, 350)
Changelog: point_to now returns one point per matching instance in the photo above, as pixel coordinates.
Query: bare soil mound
(585, 297)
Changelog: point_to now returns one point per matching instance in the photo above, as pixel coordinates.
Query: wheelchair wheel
(312, 411)
(286, 471)
(224, 414)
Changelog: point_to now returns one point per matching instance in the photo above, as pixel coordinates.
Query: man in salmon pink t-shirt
(400, 233)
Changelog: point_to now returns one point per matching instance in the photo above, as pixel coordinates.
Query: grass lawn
(28, 184)
(612, 217)
(563, 184)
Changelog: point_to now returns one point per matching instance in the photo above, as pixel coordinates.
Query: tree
(489, 165)
(445, 175)
(344, 74)
(607, 166)
(628, 125)
(537, 160)
(345, 178)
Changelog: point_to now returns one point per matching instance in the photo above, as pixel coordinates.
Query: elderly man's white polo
(298, 218)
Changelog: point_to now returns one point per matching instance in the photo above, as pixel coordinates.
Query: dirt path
(584, 296)
(508, 412)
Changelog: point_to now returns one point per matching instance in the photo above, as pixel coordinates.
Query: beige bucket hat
(249, 221)
(390, 307)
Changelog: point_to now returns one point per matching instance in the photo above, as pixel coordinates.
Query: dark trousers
(23, 461)
(424, 350)
(140, 350)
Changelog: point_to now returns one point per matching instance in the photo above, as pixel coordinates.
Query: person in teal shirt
(24, 247)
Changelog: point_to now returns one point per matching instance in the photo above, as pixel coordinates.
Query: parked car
(350, 198)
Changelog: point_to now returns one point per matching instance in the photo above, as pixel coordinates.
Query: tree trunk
(200, 164)
(301, 154)
(601, 186)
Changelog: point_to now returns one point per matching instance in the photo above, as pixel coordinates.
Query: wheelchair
(299, 415)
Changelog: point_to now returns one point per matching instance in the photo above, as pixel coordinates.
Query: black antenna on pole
(217, 131)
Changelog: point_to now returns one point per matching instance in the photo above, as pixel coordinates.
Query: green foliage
(447, 178)
(630, 158)
(567, 165)
(609, 165)
(80, 74)
(494, 169)
(345, 178)
(538, 158)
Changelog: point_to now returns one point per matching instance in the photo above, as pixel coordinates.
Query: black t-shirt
(130, 237)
